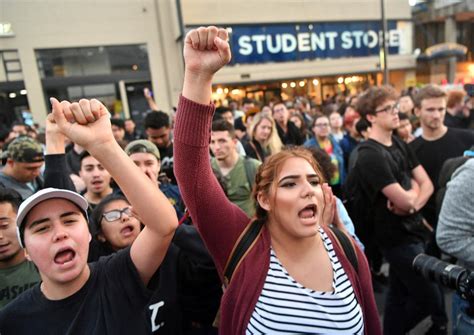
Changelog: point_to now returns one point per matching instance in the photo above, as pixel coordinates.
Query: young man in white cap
(107, 297)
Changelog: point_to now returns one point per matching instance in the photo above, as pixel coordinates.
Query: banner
(296, 42)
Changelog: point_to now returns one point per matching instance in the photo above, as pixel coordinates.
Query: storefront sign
(283, 43)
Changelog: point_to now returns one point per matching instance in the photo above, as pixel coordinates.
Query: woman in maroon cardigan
(295, 278)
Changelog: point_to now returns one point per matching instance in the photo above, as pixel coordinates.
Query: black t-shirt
(112, 301)
(456, 121)
(186, 287)
(292, 137)
(376, 172)
(433, 154)
(167, 162)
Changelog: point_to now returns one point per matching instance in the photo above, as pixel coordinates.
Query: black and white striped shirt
(285, 306)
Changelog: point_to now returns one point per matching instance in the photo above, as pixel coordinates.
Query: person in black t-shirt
(287, 130)
(186, 287)
(158, 131)
(107, 297)
(389, 170)
(438, 143)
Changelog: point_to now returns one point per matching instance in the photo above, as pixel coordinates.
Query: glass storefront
(315, 88)
(92, 72)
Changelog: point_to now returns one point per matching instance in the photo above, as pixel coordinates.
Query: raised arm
(87, 123)
(56, 173)
(219, 221)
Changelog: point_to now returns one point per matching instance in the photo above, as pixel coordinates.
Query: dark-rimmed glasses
(392, 109)
(116, 214)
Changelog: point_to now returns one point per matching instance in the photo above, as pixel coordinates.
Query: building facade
(113, 49)
(73, 49)
(302, 47)
(444, 34)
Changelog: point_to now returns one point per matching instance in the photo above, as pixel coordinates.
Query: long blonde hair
(273, 144)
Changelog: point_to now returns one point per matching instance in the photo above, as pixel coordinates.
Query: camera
(449, 275)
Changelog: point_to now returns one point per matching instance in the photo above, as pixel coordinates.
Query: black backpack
(358, 202)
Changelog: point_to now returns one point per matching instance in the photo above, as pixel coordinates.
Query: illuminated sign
(282, 43)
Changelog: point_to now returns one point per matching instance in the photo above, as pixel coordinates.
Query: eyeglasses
(393, 109)
(116, 214)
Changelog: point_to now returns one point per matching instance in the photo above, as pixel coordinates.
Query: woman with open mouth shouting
(295, 277)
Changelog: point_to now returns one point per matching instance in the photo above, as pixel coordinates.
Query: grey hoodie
(455, 232)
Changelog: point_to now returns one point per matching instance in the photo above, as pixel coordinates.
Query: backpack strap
(347, 246)
(250, 170)
(242, 246)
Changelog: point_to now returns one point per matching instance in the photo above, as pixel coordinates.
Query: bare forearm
(145, 197)
(152, 104)
(426, 190)
(197, 88)
(55, 144)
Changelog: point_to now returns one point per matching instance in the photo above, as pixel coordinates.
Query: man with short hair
(131, 133)
(389, 171)
(226, 114)
(158, 131)
(22, 172)
(96, 178)
(287, 130)
(146, 156)
(16, 273)
(239, 172)
(438, 142)
(118, 129)
(106, 297)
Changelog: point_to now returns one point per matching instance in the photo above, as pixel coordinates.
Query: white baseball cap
(45, 194)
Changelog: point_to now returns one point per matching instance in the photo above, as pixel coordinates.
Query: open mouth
(4, 247)
(127, 230)
(97, 183)
(309, 212)
(64, 256)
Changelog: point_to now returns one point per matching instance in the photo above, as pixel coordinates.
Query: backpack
(360, 205)
(249, 167)
(358, 202)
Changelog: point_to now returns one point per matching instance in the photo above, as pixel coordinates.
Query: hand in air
(206, 51)
(86, 122)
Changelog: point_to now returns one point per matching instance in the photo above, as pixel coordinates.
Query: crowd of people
(237, 218)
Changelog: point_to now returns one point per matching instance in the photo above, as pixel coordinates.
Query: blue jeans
(410, 297)
(462, 323)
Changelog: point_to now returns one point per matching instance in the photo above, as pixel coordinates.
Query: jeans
(410, 297)
(462, 323)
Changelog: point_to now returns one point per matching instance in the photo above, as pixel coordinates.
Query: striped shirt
(285, 306)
